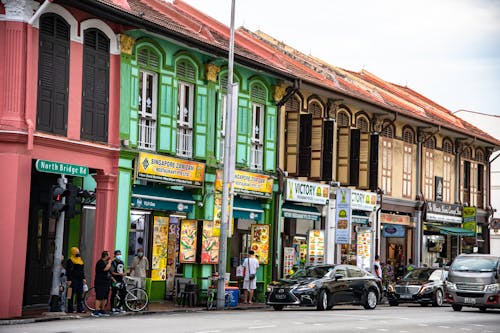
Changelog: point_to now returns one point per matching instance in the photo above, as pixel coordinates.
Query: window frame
(145, 116)
(184, 148)
(257, 143)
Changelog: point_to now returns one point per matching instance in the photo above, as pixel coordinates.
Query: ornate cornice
(19, 10)
(126, 44)
(279, 92)
(211, 72)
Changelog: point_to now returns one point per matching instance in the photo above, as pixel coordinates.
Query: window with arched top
(479, 155)
(467, 153)
(292, 112)
(430, 143)
(408, 135)
(447, 167)
(343, 119)
(408, 149)
(447, 146)
(258, 95)
(316, 111)
(363, 124)
(387, 131)
(186, 74)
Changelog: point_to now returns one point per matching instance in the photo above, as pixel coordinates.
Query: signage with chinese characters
(307, 192)
(248, 183)
(440, 212)
(343, 216)
(170, 170)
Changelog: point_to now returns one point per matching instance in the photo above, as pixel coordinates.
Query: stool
(189, 296)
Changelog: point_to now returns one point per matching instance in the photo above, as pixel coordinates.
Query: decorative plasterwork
(98, 24)
(126, 44)
(64, 13)
(211, 72)
(279, 92)
(19, 10)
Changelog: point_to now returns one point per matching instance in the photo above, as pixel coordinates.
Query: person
(75, 280)
(139, 267)
(251, 265)
(63, 285)
(117, 286)
(377, 267)
(101, 283)
(387, 273)
(400, 270)
(410, 266)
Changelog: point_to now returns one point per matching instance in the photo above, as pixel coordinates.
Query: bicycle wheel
(89, 299)
(136, 299)
(211, 301)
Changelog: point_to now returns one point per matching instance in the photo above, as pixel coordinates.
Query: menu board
(187, 246)
(316, 247)
(173, 251)
(288, 260)
(260, 242)
(160, 249)
(363, 248)
(209, 244)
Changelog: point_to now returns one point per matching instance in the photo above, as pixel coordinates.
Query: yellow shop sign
(248, 183)
(170, 170)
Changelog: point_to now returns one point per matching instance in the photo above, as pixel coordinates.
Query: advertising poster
(260, 242)
(160, 249)
(187, 246)
(209, 244)
(218, 217)
(316, 247)
(469, 216)
(363, 248)
(288, 260)
(173, 251)
(343, 217)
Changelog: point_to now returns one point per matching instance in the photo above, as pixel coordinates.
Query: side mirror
(338, 277)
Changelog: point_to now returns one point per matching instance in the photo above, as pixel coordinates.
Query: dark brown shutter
(53, 75)
(374, 142)
(95, 92)
(466, 181)
(305, 133)
(326, 166)
(364, 160)
(354, 158)
(291, 136)
(344, 134)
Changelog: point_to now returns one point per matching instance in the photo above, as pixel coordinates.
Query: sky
(447, 50)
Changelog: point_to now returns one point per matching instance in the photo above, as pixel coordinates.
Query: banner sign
(440, 212)
(469, 216)
(361, 200)
(343, 216)
(308, 192)
(394, 231)
(170, 170)
(395, 219)
(248, 183)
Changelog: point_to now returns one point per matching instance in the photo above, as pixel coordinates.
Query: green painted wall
(125, 172)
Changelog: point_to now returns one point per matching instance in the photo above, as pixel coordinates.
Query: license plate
(469, 300)
(405, 296)
(280, 296)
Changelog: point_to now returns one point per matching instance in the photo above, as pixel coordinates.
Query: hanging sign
(307, 192)
(361, 200)
(61, 168)
(343, 216)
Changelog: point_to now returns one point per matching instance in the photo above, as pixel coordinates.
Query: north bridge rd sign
(62, 168)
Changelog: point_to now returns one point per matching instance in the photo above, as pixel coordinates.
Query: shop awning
(247, 209)
(293, 211)
(159, 198)
(455, 231)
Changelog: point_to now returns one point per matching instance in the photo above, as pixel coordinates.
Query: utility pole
(229, 165)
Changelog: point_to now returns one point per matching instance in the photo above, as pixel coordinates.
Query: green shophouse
(172, 135)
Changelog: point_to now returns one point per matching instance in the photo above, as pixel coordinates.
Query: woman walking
(75, 280)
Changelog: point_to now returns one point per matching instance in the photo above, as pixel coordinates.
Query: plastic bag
(240, 271)
(85, 288)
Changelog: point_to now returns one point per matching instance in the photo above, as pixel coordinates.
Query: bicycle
(212, 299)
(136, 299)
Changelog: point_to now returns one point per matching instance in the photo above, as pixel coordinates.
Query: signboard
(343, 216)
(361, 200)
(394, 231)
(209, 244)
(160, 249)
(188, 238)
(469, 216)
(170, 170)
(440, 212)
(146, 203)
(438, 190)
(363, 248)
(308, 192)
(260, 242)
(316, 247)
(395, 219)
(62, 168)
(288, 260)
(248, 183)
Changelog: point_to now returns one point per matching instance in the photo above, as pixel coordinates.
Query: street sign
(62, 168)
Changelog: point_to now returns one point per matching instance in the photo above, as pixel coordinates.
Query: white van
(474, 281)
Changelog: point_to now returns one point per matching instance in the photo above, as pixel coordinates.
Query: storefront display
(209, 243)
(363, 248)
(173, 251)
(316, 247)
(188, 241)
(160, 249)
(260, 242)
(288, 260)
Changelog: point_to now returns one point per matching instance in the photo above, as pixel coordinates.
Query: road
(403, 319)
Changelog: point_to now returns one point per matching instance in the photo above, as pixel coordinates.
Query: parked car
(421, 285)
(325, 286)
(474, 280)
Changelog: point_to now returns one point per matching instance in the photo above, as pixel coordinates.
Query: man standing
(101, 284)
(377, 268)
(117, 274)
(251, 265)
(139, 268)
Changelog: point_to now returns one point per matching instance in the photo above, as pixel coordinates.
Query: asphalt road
(402, 319)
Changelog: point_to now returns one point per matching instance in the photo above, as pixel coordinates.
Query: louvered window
(148, 58)
(53, 74)
(467, 153)
(292, 107)
(447, 146)
(343, 119)
(407, 170)
(223, 106)
(430, 143)
(479, 155)
(429, 174)
(387, 166)
(408, 136)
(387, 131)
(362, 124)
(316, 112)
(257, 139)
(186, 70)
(258, 93)
(95, 94)
(480, 186)
(148, 101)
(185, 112)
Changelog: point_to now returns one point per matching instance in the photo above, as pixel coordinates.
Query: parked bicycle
(212, 299)
(136, 299)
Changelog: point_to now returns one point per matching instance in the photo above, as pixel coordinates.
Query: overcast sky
(447, 50)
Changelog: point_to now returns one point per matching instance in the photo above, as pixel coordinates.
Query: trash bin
(235, 294)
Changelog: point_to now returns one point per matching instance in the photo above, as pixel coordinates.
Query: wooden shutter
(374, 143)
(305, 132)
(364, 160)
(53, 75)
(316, 145)
(343, 155)
(327, 163)
(167, 115)
(243, 132)
(291, 141)
(200, 126)
(95, 86)
(354, 157)
(466, 182)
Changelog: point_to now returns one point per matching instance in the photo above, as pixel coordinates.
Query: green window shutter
(200, 125)
(167, 114)
(270, 139)
(243, 132)
(133, 96)
(125, 102)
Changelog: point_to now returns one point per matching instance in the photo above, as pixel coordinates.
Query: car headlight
(492, 288)
(451, 285)
(425, 289)
(311, 285)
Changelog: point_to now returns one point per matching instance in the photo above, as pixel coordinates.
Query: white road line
(297, 323)
(318, 324)
(361, 328)
(382, 329)
(259, 327)
(214, 331)
(444, 326)
(403, 318)
(423, 325)
(466, 329)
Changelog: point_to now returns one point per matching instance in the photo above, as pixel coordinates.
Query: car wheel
(322, 300)
(370, 300)
(456, 307)
(278, 307)
(393, 303)
(438, 298)
(482, 308)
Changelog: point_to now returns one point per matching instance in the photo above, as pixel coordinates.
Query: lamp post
(229, 166)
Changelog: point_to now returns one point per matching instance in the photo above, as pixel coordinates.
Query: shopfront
(397, 238)
(303, 241)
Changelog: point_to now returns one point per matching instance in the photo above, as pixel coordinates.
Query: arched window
(292, 110)
(430, 143)
(363, 124)
(258, 95)
(316, 111)
(343, 119)
(408, 135)
(186, 76)
(409, 139)
(467, 153)
(387, 131)
(447, 146)
(479, 155)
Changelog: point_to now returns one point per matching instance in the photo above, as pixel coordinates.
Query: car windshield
(474, 264)
(421, 274)
(315, 272)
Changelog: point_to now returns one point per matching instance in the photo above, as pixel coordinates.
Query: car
(421, 285)
(324, 286)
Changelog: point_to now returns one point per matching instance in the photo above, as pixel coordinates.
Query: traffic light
(56, 205)
(72, 199)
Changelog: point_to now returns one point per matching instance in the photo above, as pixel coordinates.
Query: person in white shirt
(377, 268)
(139, 267)
(251, 265)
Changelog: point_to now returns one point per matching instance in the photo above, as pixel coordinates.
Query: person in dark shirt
(117, 274)
(101, 283)
(75, 280)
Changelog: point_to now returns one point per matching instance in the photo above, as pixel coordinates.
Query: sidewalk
(40, 314)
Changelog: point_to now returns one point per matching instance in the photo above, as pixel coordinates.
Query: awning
(160, 198)
(247, 209)
(293, 211)
(455, 231)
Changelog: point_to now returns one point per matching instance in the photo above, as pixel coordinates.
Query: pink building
(59, 101)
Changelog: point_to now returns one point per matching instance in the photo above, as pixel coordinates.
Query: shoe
(103, 313)
(95, 314)
(115, 310)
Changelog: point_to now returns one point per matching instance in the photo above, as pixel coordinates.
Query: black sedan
(421, 285)
(326, 286)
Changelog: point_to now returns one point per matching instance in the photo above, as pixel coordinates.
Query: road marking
(423, 325)
(403, 318)
(478, 325)
(214, 331)
(444, 326)
(466, 329)
(297, 323)
(382, 329)
(259, 327)
(318, 324)
(404, 331)
(361, 328)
